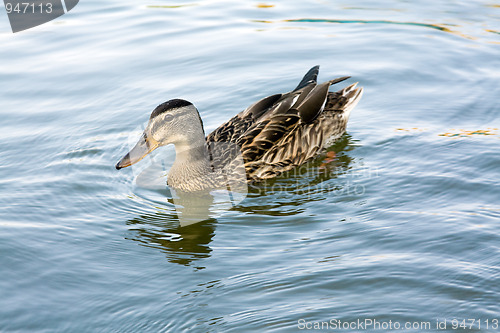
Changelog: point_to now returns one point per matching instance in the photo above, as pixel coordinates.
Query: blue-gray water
(402, 226)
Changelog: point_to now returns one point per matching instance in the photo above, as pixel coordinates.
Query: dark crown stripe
(167, 106)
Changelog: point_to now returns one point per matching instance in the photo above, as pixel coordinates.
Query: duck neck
(192, 163)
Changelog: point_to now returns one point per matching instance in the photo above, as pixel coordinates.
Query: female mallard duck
(274, 135)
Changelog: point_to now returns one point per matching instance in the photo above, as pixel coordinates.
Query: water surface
(403, 225)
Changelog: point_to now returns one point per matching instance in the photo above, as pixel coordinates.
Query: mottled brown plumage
(283, 131)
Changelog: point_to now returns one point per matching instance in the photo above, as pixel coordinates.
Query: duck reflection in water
(181, 246)
(188, 244)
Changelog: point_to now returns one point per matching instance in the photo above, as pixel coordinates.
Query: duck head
(174, 122)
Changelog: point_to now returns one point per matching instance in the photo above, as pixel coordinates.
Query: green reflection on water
(417, 24)
(426, 25)
(172, 6)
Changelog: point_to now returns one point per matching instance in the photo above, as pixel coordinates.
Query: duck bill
(141, 149)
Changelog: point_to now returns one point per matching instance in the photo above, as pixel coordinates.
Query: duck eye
(168, 117)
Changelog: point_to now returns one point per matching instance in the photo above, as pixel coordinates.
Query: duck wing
(282, 131)
(234, 128)
(289, 139)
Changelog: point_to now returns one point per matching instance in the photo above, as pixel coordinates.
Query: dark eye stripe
(166, 118)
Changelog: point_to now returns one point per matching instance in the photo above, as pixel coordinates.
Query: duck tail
(353, 96)
(345, 100)
(310, 77)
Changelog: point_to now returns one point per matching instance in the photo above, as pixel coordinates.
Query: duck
(272, 136)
